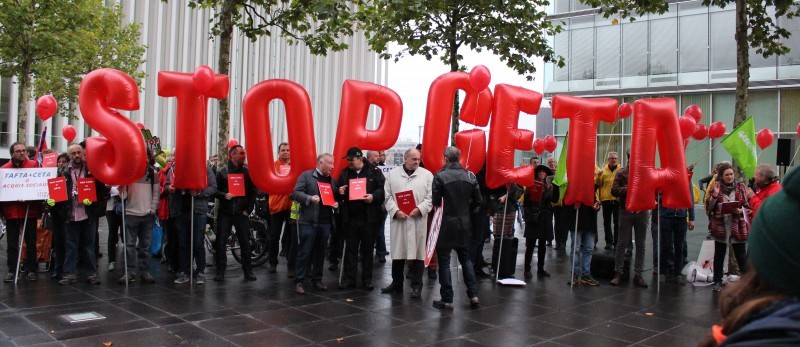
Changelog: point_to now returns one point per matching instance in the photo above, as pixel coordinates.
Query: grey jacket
(304, 189)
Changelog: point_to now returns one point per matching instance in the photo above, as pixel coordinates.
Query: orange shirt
(279, 203)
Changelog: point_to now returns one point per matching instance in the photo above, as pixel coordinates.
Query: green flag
(741, 144)
(561, 170)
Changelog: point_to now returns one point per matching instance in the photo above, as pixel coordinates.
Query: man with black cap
(361, 194)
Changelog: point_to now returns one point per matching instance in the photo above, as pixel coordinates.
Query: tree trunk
(224, 62)
(24, 96)
(742, 68)
(453, 60)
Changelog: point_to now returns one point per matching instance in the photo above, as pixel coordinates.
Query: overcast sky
(412, 76)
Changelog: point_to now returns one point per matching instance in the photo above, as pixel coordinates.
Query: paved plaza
(268, 312)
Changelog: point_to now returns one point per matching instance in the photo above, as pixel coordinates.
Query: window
(723, 44)
(582, 54)
(634, 49)
(663, 46)
(694, 43)
(608, 46)
(561, 47)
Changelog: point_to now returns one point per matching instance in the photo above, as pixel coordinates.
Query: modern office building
(177, 39)
(689, 54)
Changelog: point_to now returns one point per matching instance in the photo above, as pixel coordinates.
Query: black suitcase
(508, 259)
(603, 266)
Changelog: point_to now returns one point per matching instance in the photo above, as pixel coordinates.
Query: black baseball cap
(353, 152)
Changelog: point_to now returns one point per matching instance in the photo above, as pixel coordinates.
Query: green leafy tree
(514, 30)
(756, 28)
(319, 24)
(50, 45)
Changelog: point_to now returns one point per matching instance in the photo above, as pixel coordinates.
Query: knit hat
(774, 243)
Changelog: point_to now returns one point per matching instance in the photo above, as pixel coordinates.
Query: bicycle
(258, 237)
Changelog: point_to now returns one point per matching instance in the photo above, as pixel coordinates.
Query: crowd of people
(343, 219)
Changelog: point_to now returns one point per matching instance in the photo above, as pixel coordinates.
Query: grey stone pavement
(547, 312)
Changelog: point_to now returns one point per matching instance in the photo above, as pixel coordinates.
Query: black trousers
(277, 222)
(561, 227)
(172, 250)
(530, 243)
(13, 230)
(417, 266)
(610, 212)
(59, 244)
(225, 223)
(360, 238)
(739, 251)
(114, 227)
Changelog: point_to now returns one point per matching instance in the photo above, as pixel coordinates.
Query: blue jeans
(380, 238)
(583, 261)
(313, 241)
(182, 224)
(80, 240)
(138, 235)
(446, 282)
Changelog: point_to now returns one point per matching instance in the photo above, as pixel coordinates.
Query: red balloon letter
(190, 135)
(583, 114)
(299, 123)
(656, 122)
(505, 136)
(119, 158)
(476, 110)
(357, 96)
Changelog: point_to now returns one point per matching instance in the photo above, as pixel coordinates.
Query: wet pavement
(267, 312)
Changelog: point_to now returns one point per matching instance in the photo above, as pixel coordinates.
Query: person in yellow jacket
(604, 179)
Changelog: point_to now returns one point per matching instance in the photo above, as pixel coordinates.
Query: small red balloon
(550, 143)
(700, 132)
(479, 77)
(625, 110)
(46, 106)
(140, 125)
(538, 146)
(716, 130)
(695, 112)
(687, 125)
(232, 142)
(68, 131)
(203, 78)
(764, 138)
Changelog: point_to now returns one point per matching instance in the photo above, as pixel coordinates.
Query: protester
(316, 220)
(673, 237)
(19, 214)
(80, 219)
(480, 227)
(234, 211)
(552, 163)
(380, 238)
(372, 157)
(141, 204)
(114, 222)
(213, 162)
(502, 208)
(186, 228)
(408, 232)
(727, 226)
(456, 191)
(766, 185)
(534, 161)
(381, 158)
(59, 236)
(539, 218)
(361, 216)
(279, 206)
(165, 216)
(604, 179)
(633, 224)
(763, 307)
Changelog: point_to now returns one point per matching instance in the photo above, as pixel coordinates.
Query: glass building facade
(689, 54)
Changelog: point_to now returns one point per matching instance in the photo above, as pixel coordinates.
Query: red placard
(284, 170)
(326, 193)
(405, 201)
(50, 159)
(729, 207)
(535, 191)
(87, 189)
(357, 188)
(57, 187)
(236, 184)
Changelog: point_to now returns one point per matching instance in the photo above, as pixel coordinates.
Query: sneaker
(273, 268)
(93, 279)
(474, 302)
(442, 305)
(589, 281)
(298, 288)
(200, 279)
(528, 274)
(129, 279)
(68, 279)
(32, 276)
(182, 278)
(542, 273)
(147, 278)
(111, 266)
(716, 287)
(9, 278)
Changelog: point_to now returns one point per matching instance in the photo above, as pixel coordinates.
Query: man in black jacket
(362, 216)
(234, 211)
(456, 190)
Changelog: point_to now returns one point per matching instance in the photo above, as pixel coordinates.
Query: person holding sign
(18, 214)
(237, 197)
(539, 217)
(315, 191)
(728, 225)
(361, 192)
(80, 214)
(408, 202)
(141, 203)
(456, 191)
